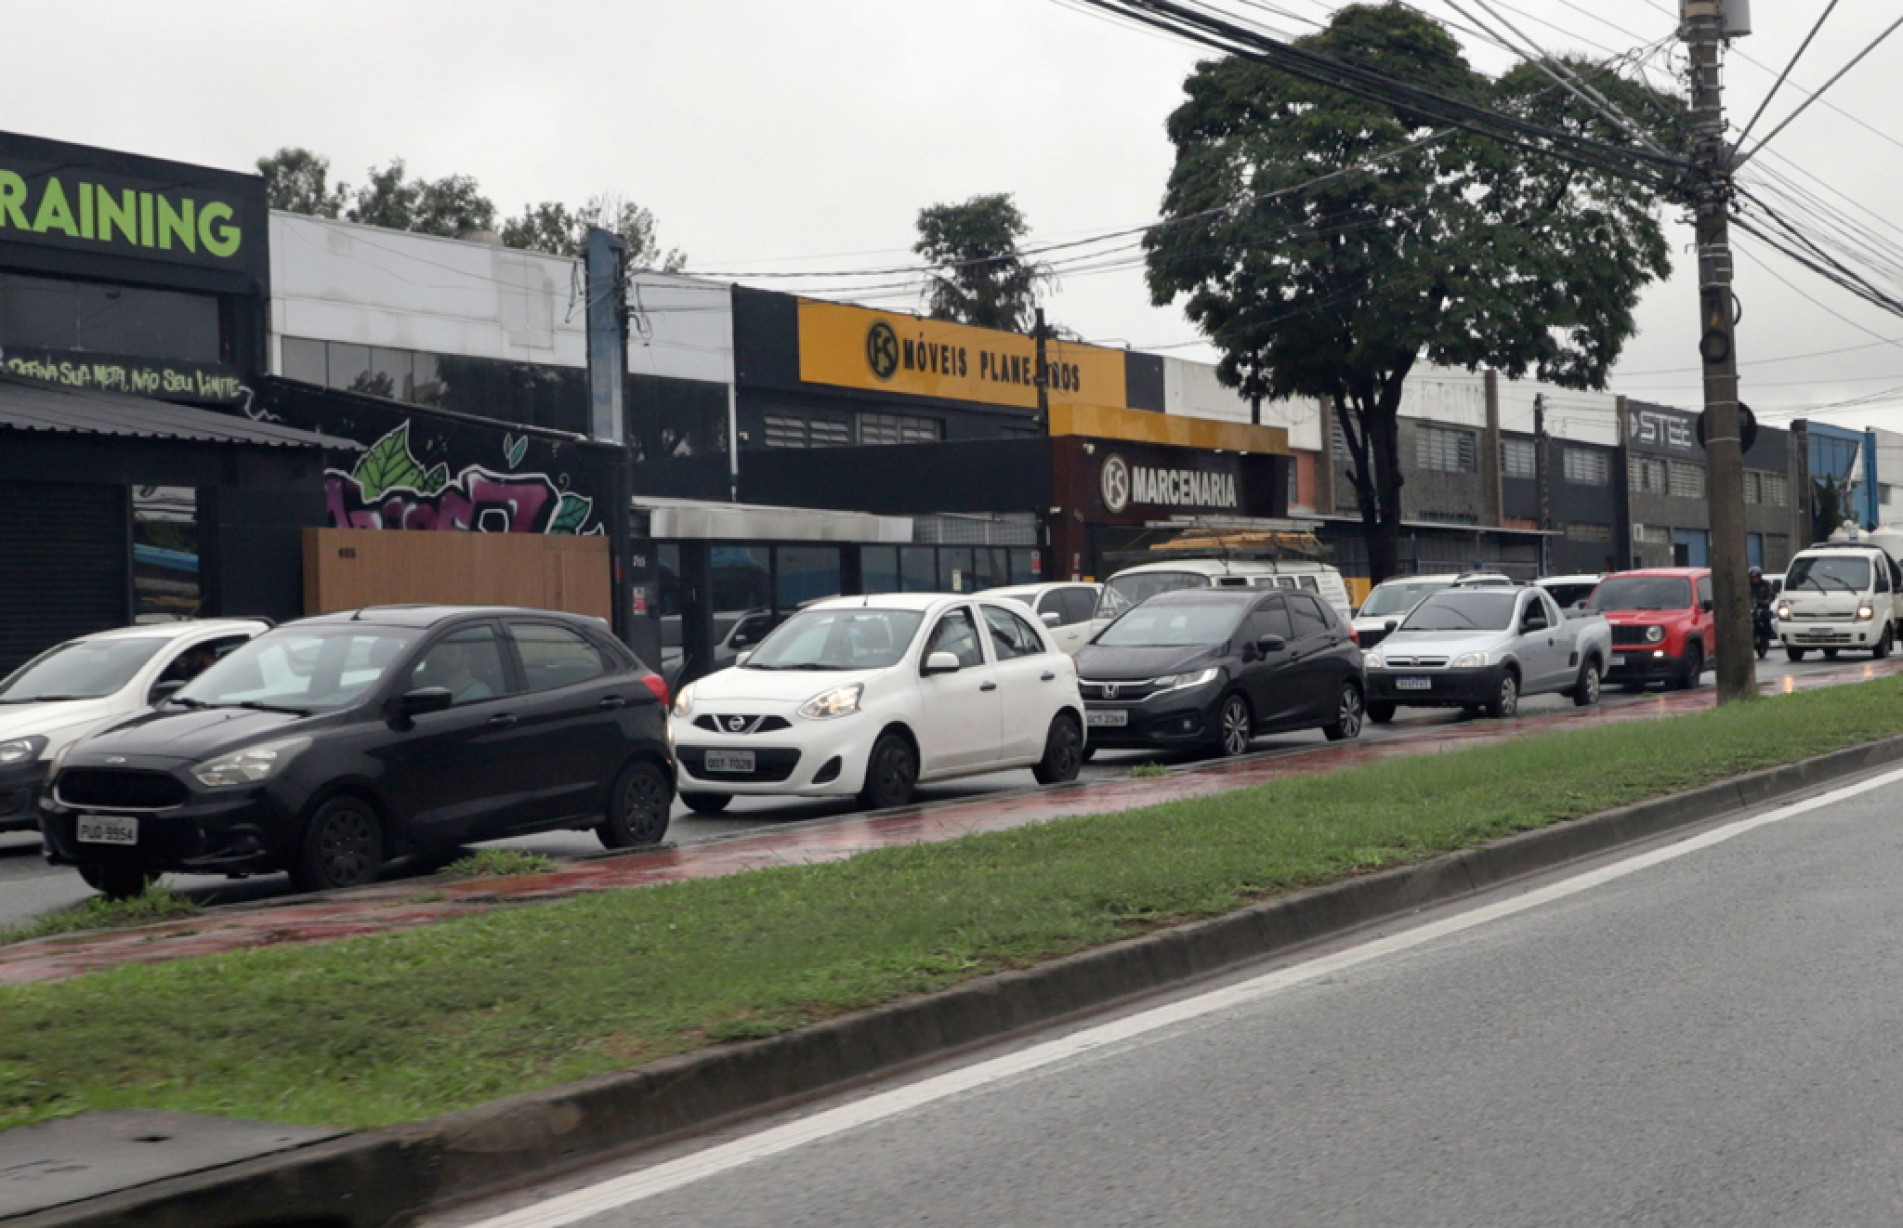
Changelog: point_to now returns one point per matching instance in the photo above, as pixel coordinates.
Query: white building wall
(1889, 476)
(339, 281)
(1192, 390)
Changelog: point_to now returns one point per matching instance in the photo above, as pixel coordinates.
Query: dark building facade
(1669, 494)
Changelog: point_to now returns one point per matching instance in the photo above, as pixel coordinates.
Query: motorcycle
(1761, 619)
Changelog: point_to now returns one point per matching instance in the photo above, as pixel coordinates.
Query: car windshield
(1126, 591)
(81, 669)
(854, 638)
(1399, 598)
(302, 669)
(1466, 609)
(1173, 624)
(1828, 573)
(1643, 593)
(1571, 594)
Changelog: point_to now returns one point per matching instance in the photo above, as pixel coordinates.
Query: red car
(1661, 625)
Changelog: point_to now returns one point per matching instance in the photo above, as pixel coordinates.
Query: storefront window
(1024, 566)
(165, 582)
(44, 313)
(742, 581)
(919, 566)
(879, 569)
(807, 572)
(993, 566)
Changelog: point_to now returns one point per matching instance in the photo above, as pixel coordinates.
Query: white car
(870, 696)
(1065, 609)
(1570, 591)
(84, 684)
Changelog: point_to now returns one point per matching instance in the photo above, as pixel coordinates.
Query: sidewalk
(405, 905)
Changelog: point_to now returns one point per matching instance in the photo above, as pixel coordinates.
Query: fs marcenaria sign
(1123, 484)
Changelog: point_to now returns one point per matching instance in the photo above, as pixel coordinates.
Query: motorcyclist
(1760, 588)
(1761, 629)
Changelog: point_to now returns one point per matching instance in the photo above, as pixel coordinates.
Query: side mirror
(1705, 607)
(164, 690)
(1393, 624)
(1270, 643)
(1052, 618)
(423, 700)
(741, 640)
(743, 658)
(941, 663)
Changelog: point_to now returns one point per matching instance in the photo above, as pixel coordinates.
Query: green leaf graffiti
(572, 514)
(436, 479)
(515, 449)
(388, 464)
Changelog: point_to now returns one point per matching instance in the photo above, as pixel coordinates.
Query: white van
(1134, 585)
(1841, 594)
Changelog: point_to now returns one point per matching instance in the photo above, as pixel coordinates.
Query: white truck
(1846, 592)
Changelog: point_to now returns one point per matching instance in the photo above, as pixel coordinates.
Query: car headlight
(1784, 613)
(1374, 660)
(684, 701)
(1654, 634)
(1864, 614)
(1471, 660)
(840, 701)
(250, 765)
(1176, 682)
(21, 750)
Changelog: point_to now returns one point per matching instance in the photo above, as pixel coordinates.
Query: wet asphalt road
(1698, 1032)
(29, 887)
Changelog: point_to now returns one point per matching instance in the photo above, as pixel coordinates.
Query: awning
(30, 405)
(696, 520)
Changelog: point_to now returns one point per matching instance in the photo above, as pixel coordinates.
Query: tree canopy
(1325, 244)
(298, 180)
(979, 276)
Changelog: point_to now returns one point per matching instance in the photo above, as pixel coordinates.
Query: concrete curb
(390, 1176)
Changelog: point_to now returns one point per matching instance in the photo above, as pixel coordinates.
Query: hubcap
(346, 843)
(1509, 697)
(641, 805)
(1592, 685)
(1235, 728)
(1350, 711)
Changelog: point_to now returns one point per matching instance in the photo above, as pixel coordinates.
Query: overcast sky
(769, 135)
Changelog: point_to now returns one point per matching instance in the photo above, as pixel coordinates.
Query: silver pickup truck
(1482, 649)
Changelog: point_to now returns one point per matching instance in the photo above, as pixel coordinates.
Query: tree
(980, 277)
(1449, 248)
(552, 227)
(451, 206)
(299, 180)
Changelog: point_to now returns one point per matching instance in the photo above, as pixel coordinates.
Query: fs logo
(1115, 484)
(882, 350)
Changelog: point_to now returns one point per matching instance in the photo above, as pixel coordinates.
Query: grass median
(399, 1027)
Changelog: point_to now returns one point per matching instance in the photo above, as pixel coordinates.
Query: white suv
(870, 696)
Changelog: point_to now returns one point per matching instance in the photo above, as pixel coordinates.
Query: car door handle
(1046, 676)
(503, 720)
(611, 702)
(989, 686)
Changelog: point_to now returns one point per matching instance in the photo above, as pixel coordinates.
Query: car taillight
(657, 684)
(1355, 636)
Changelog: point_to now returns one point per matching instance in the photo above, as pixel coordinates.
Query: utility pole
(1704, 30)
(1542, 472)
(1043, 377)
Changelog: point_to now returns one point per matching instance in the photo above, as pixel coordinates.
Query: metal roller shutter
(63, 565)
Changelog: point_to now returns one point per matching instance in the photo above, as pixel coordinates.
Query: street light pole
(1704, 32)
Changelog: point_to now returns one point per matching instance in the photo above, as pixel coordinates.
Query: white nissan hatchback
(874, 695)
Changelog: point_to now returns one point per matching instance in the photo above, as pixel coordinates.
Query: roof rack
(1268, 545)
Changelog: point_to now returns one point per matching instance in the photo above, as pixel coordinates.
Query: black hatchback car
(329, 745)
(1217, 667)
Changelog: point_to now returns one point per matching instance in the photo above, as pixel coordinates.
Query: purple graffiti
(478, 500)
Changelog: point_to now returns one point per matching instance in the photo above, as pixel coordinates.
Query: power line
(1855, 60)
(1779, 83)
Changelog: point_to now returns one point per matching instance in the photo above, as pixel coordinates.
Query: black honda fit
(329, 745)
(1213, 668)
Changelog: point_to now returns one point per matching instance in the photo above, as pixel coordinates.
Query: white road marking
(674, 1174)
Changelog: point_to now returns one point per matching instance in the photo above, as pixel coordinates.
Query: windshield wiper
(183, 702)
(45, 699)
(255, 706)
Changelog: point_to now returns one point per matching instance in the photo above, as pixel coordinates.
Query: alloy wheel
(1235, 726)
(1348, 717)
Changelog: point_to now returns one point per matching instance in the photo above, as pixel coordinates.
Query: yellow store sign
(853, 347)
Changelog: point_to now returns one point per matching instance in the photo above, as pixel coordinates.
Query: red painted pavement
(405, 905)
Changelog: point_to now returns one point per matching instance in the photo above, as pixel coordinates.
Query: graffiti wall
(427, 471)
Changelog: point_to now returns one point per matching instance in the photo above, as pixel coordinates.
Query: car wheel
(1235, 725)
(342, 847)
(1884, 645)
(1063, 753)
(891, 773)
(1380, 713)
(1506, 698)
(117, 882)
(1586, 690)
(637, 809)
(1795, 654)
(1087, 754)
(706, 803)
(1694, 670)
(1347, 724)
